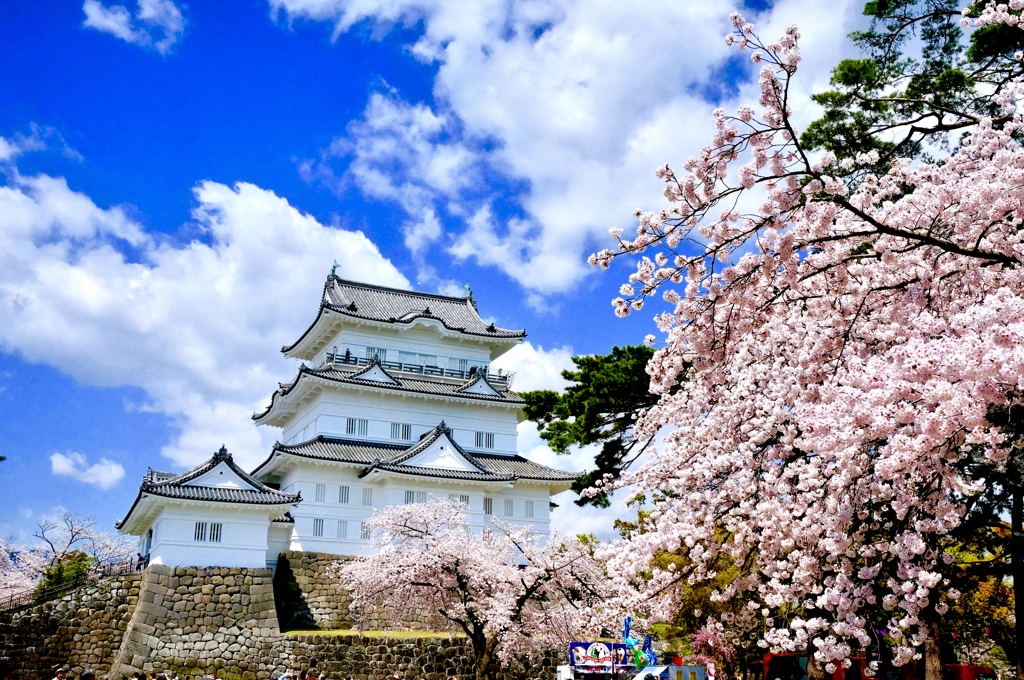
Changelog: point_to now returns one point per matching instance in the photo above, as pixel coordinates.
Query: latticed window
(485, 440)
(509, 507)
(215, 529)
(378, 353)
(410, 497)
(321, 493)
(318, 526)
(367, 496)
(343, 495)
(200, 534)
(364, 531)
(488, 506)
(342, 528)
(458, 364)
(529, 508)
(356, 426)
(462, 498)
(401, 431)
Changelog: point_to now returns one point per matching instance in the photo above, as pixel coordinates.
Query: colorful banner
(594, 655)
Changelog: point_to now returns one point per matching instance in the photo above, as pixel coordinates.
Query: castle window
(458, 364)
(509, 506)
(364, 531)
(321, 493)
(461, 498)
(318, 527)
(356, 426)
(401, 431)
(410, 497)
(488, 506)
(215, 528)
(485, 440)
(342, 528)
(200, 534)
(378, 353)
(367, 496)
(529, 508)
(343, 495)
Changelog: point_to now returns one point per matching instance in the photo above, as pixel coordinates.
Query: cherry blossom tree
(838, 334)
(68, 532)
(20, 568)
(511, 593)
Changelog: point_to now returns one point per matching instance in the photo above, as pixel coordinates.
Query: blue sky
(176, 180)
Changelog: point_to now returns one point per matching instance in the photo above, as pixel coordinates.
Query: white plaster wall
(279, 539)
(243, 537)
(391, 491)
(421, 339)
(329, 412)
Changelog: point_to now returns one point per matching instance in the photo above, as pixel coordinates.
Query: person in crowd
(60, 674)
(88, 675)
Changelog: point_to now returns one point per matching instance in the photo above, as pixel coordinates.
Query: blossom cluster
(512, 592)
(836, 352)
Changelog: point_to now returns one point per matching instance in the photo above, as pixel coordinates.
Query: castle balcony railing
(501, 380)
(32, 596)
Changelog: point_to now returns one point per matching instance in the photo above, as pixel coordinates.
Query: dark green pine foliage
(897, 104)
(607, 394)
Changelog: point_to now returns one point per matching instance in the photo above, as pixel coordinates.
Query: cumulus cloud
(196, 325)
(105, 474)
(157, 24)
(561, 109)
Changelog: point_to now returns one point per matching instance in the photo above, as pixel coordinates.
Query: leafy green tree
(601, 406)
(72, 566)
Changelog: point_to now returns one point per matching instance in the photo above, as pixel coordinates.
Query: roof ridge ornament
(334, 269)
(222, 454)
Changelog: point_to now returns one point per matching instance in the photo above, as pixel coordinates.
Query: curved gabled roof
(176, 486)
(400, 384)
(489, 467)
(394, 306)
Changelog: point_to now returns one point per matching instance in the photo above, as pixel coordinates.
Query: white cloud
(576, 103)
(535, 367)
(197, 325)
(105, 474)
(158, 24)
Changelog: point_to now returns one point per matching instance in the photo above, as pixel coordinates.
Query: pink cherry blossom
(828, 362)
(510, 592)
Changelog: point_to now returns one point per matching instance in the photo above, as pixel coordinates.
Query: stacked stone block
(82, 629)
(194, 620)
(323, 603)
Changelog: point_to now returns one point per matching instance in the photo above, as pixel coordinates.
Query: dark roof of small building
(490, 467)
(401, 383)
(175, 485)
(395, 306)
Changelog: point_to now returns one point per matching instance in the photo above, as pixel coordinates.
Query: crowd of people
(311, 674)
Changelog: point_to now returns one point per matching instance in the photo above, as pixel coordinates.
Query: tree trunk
(484, 660)
(1017, 571)
(933, 651)
(815, 669)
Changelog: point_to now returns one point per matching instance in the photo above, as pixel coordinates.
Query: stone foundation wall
(196, 620)
(83, 629)
(193, 621)
(378, 658)
(308, 588)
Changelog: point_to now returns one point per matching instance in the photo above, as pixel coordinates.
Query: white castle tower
(395, 402)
